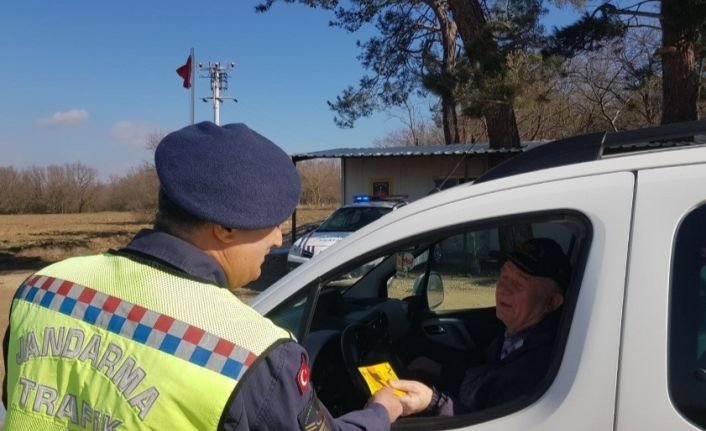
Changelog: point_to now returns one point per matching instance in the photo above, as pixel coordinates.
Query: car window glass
(469, 263)
(687, 321)
(289, 315)
(410, 267)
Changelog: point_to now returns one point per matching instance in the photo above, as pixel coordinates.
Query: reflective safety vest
(106, 342)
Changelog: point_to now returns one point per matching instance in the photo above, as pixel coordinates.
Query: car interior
(429, 296)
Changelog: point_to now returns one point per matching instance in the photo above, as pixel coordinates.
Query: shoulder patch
(303, 375)
(313, 418)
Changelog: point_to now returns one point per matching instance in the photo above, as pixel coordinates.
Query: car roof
(597, 146)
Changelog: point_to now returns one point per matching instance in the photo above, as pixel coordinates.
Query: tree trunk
(448, 120)
(500, 117)
(502, 126)
(680, 80)
(449, 32)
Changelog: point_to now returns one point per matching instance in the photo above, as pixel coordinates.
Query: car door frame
(582, 396)
(664, 197)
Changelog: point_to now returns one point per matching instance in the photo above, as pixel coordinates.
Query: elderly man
(529, 291)
(149, 336)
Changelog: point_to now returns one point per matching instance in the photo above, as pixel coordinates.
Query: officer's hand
(386, 397)
(416, 398)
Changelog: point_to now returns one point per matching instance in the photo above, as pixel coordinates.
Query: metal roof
(427, 150)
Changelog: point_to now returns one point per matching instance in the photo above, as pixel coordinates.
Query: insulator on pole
(219, 75)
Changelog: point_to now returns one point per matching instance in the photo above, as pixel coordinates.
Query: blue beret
(228, 175)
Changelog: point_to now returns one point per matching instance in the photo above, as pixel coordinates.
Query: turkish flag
(185, 73)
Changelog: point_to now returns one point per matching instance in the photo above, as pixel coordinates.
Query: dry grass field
(29, 242)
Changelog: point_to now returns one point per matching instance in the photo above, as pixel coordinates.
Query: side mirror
(435, 290)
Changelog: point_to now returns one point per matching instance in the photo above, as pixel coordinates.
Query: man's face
(522, 300)
(245, 256)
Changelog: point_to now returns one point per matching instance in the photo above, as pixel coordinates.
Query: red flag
(185, 72)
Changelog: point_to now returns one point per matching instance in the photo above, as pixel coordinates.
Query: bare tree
(10, 197)
(423, 133)
(682, 24)
(321, 182)
(137, 191)
(57, 189)
(34, 180)
(84, 185)
(154, 138)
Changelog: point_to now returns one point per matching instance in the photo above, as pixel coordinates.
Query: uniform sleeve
(271, 398)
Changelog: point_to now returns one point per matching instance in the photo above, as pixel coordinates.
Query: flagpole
(193, 82)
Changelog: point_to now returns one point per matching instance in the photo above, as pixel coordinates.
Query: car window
(468, 264)
(432, 295)
(290, 314)
(687, 321)
(352, 218)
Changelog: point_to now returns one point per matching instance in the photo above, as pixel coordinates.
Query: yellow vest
(105, 342)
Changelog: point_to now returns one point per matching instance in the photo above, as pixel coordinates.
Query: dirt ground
(30, 242)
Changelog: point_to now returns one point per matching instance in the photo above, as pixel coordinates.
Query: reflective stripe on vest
(139, 324)
(105, 342)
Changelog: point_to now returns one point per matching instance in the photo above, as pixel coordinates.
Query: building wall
(412, 176)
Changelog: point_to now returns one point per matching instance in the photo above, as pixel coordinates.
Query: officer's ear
(224, 234)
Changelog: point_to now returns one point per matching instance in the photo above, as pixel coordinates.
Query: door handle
(434, 329)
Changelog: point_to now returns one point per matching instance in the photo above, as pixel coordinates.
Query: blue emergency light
(361, 198)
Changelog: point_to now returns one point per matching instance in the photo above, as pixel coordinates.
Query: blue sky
(87, 81)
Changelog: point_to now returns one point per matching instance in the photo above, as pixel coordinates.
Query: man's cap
(543, 257)
(228, 175)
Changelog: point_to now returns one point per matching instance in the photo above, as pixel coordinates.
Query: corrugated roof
(430, 150)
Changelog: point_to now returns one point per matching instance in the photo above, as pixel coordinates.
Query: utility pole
(218, 74)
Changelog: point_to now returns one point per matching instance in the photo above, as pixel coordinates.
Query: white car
(338, 225)
(629, 211)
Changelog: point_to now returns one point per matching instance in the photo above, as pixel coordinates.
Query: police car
(339, 225)
(629, 209)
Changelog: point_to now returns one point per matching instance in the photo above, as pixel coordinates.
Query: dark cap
(228, 175)
(543, 257)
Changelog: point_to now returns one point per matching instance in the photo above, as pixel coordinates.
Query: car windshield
(350, 219)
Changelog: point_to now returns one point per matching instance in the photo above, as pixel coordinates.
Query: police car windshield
(350, 219)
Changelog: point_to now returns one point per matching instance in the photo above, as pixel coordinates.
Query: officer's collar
(177, 253)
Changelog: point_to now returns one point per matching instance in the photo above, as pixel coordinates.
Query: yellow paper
(378, 376)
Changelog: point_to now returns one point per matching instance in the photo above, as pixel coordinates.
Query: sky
(89, 81)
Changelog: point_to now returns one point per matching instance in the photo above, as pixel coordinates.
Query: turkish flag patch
(303, 375)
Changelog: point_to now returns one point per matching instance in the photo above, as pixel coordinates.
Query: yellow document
(378, 376)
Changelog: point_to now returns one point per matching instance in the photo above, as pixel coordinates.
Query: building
(411, 172)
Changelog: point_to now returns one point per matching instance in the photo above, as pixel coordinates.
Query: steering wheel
(365, 343)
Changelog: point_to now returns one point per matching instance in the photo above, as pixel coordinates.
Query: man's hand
(386, 397)
(417, 395)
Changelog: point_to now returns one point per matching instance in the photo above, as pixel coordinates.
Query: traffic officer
(149, 336)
